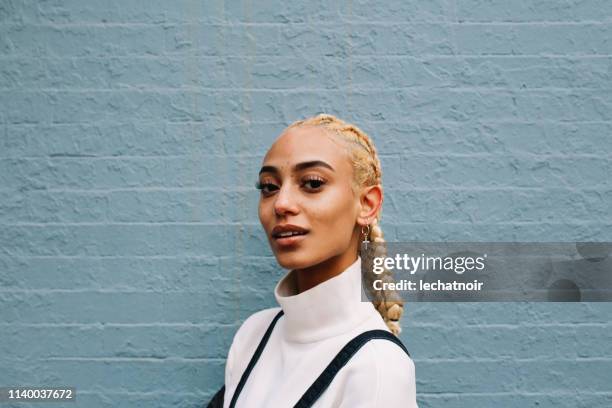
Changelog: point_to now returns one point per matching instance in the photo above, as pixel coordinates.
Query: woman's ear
(370, 202)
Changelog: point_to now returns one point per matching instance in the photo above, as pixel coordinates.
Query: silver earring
(365, 234)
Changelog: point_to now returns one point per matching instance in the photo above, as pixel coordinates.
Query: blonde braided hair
(367, 172)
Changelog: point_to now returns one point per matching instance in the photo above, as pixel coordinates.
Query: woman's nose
(285, 201)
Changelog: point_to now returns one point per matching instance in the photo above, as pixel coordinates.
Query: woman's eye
(313, 184)
(266, 188)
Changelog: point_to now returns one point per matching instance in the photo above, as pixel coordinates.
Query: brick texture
(130, 136)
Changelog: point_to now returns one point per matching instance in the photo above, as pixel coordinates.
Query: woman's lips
(290, 241)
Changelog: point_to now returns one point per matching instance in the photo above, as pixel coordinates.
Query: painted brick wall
(130, 136)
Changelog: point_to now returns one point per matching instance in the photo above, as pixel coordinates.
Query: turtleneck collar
(331, 308)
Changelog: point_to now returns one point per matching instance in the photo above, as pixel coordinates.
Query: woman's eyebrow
(313, 163)
(298, 167)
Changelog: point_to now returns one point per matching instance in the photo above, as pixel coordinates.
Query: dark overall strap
(324, 380)
(256, 355)
(217, 399)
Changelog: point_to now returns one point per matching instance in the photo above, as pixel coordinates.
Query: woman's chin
(292, 260)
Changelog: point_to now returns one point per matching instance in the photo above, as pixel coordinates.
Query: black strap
(324, 380)
(258, 351)
(217, 399)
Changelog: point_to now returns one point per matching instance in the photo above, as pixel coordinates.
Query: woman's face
(307, 207)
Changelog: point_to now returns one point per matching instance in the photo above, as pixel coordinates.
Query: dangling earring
(366, 234)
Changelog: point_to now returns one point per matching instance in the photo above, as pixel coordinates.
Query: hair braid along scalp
(367, 172)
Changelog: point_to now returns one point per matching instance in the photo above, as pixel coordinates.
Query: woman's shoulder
(385, 353)
(245, 342)
(383, 374)
(253, 328)
(258, 321)
(388, 360)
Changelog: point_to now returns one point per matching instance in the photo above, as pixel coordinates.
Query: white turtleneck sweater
(316, 324)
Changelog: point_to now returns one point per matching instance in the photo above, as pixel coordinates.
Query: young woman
(321, 195)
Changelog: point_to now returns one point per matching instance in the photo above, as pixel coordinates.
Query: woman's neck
(310, 277)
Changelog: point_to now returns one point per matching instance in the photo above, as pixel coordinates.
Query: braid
(367, 172)
(387, 302)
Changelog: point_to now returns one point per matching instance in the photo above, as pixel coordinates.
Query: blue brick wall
(130, 136)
